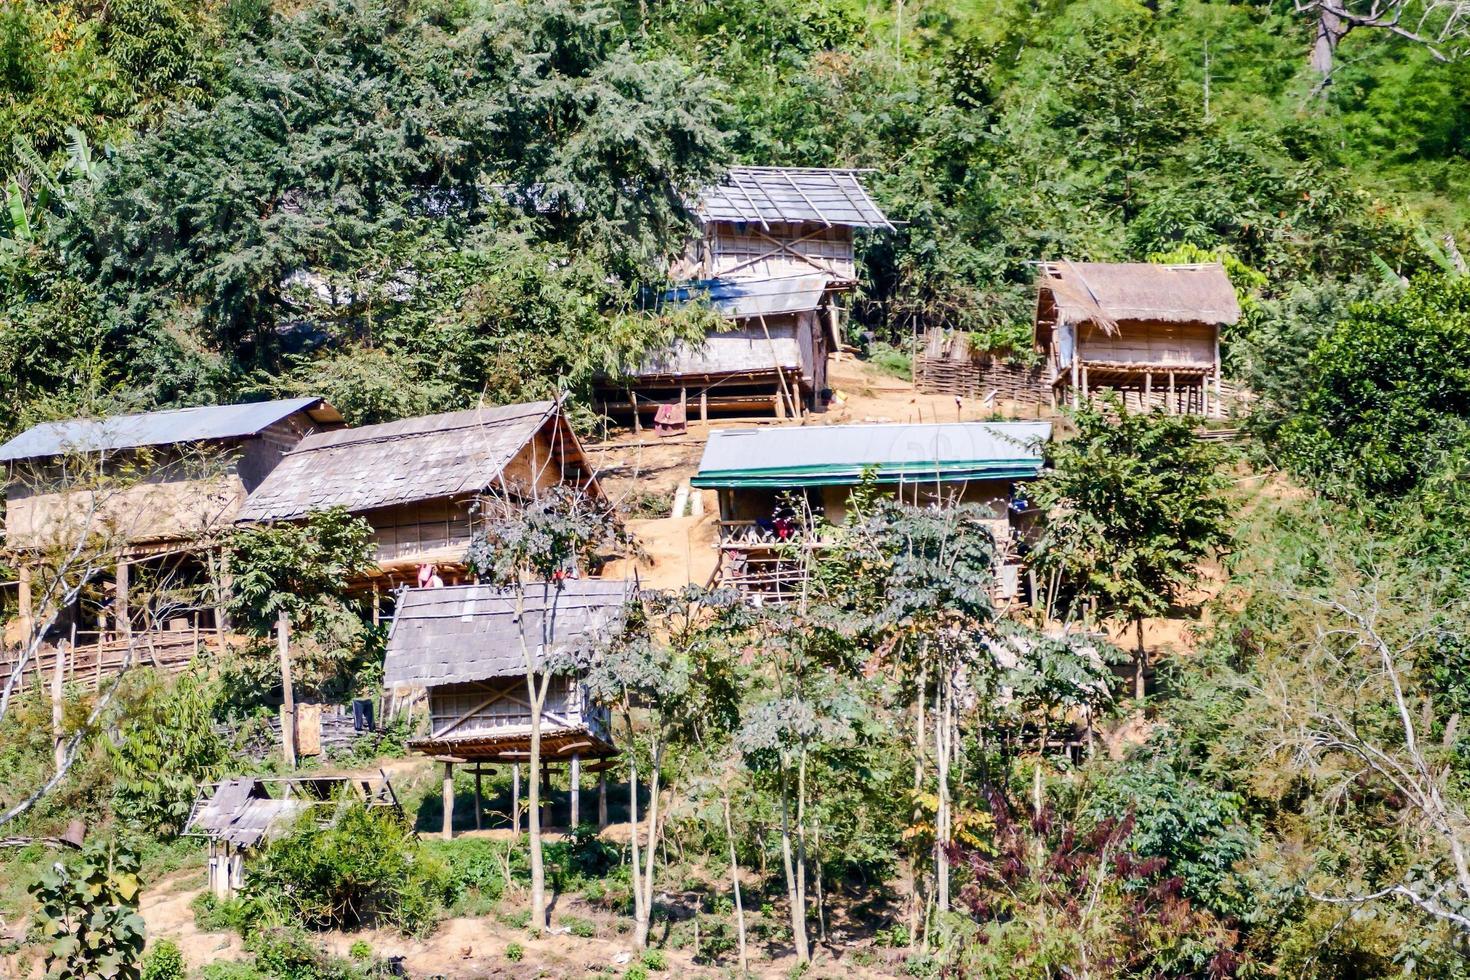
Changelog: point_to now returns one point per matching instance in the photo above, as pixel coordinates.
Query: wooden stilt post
(288, 698)
(1086, 386)
(120, 601)
(448, 831)
(1148, 391)
(479, 796)
(515, 798)
(684, 404)
(377, 603)
(27, 614)
(704, 407)
(58, 735)
(1173, 402)
(633, 401)
(602, 800)
(1076, 379)
(546, 794)
(576, 793)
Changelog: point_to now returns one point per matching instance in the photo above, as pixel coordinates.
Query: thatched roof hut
(1125, 326)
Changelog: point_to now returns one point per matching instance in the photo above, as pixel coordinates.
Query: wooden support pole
(576, 793)
(27, 614)
(448, 832)
(288, 698)
(479, 798)
(704, 407)
(602, 800)
(1148, 391)
(377, 603)
(58, 735)
(1173, 402)
(1076, 379)
(545, 795)
(515, 798)
(124, 622)
(637, 422)
(1086, 387)
(684, 404)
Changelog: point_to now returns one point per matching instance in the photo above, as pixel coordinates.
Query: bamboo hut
(775, 255)
(238, 815)
(156, 490)
(423, 483)
(1148, 333)
(467, 646)
(771, 482)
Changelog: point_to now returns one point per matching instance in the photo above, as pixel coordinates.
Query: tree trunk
(798, 916)
(801, 850)
(640, 913)
(1330, 31)
(941, 813)
(735, 885)
(1140, 663)
(536, 699)
(640, 932)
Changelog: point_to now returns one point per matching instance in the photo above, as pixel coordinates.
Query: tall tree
(1134, 504)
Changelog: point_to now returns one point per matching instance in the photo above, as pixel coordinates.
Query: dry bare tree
(1351, 716)
(1442, 27)
(70, 519)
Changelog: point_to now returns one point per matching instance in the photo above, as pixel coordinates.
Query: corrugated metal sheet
(745, 298)
(741, 350)
(767, 195)
(468, 633)
(177, 425)
(434, 456)
(835, 454)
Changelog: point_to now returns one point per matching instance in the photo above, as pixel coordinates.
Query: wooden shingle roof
(451, 455)
(464, 633)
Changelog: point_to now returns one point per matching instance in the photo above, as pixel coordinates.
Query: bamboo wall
(948, 366)
(88, 664)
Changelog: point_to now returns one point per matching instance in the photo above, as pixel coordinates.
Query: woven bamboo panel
(948, 366)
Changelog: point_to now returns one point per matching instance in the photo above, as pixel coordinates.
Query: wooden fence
(87, 663)
(947, 366)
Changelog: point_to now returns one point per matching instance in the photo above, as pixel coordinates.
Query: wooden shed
(238, 815)
(422, 483)
(775, 254)
(159, 488)
(1148, 333)
(763, 475)
(466, 647)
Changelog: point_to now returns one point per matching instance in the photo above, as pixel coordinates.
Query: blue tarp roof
(203, 424)
(742, 298)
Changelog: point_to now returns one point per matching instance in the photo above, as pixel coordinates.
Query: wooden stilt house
(769, 480)
(423, 483)
(157, 491)
(1148, 333)
(775, 255)
(467, 646)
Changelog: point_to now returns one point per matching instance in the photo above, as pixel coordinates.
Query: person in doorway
(429, 577)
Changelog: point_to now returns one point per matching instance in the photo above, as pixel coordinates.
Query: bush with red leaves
(1051, 898)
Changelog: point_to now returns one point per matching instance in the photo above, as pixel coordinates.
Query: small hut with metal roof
(162, 486)
(238, 815)
(467, 645)
(775, 255)
(422, 483)
(763, 476)
(1148, 333)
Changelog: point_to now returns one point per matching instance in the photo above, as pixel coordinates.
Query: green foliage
(166, 746)
(360, 950)
(655, 959)
(1136, 503)
(514, 952)
(556, 535)
(302, 570)
(636, 971)
(1386, 394)
(164, 962)
(363, 868)
(87, 922)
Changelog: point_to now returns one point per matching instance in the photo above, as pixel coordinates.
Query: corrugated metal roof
(453, 454)
(766, 195)
(176, 425)
(793, 456)
(741, 350)
(744, 298)
(463, 633)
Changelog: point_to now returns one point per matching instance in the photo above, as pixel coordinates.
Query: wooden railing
(88, 663)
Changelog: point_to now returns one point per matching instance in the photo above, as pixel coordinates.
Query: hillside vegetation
(412, 206)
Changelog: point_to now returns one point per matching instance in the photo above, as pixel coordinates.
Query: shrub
(360, 950)
(364, 869)
(291, 954)
(515, 952)
(636, 972)
(212, 914)
(655, 960)
(476, 875)
(581, 928)
(164, 962)
(166, 746)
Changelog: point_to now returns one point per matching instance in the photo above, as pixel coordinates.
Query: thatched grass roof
(1106, 294)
